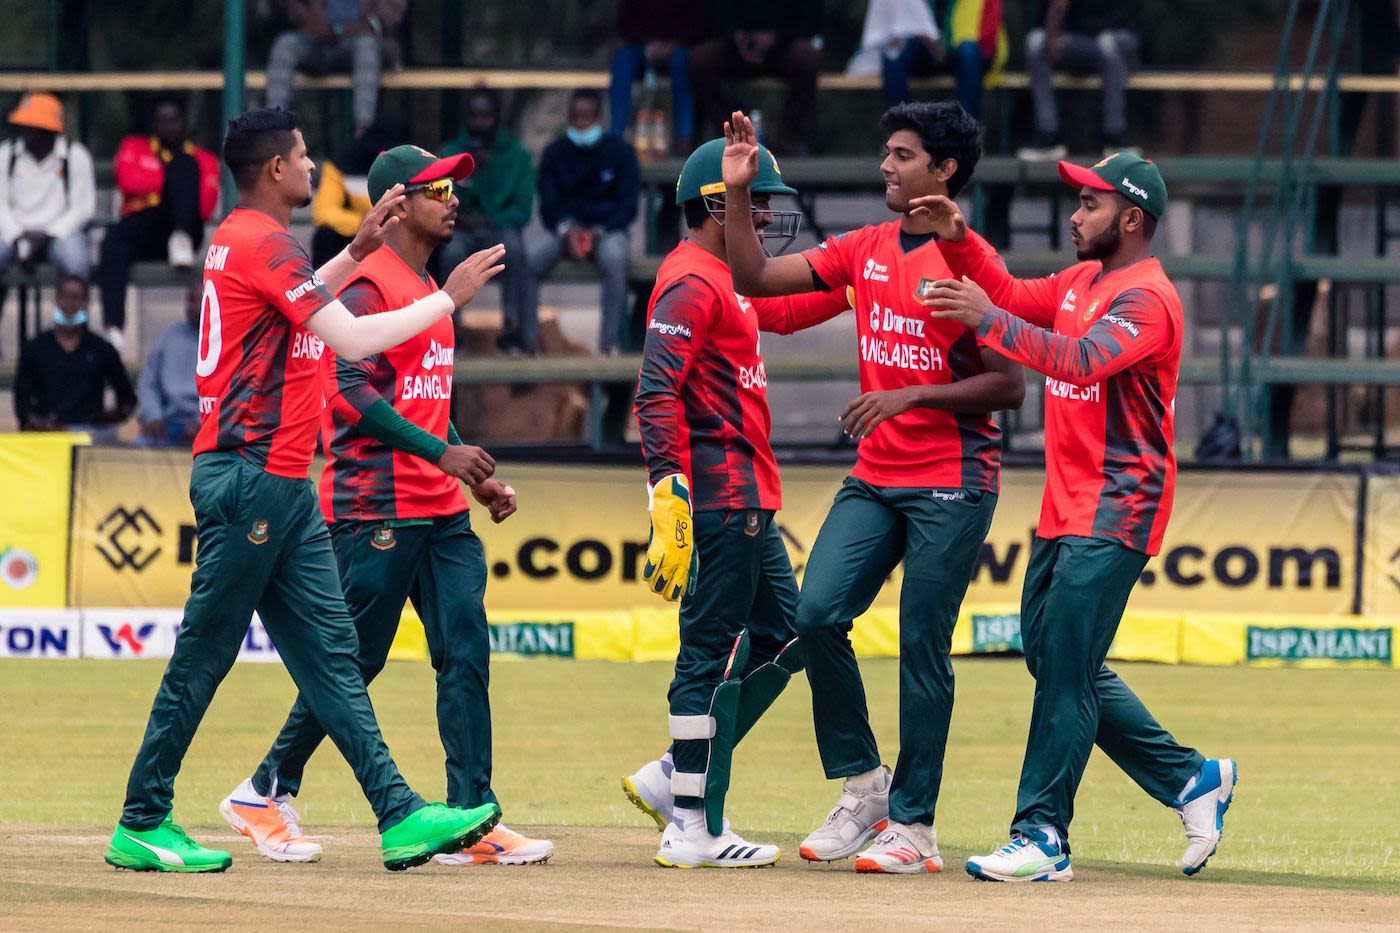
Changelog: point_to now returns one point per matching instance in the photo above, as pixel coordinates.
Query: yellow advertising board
(36, 470)
(1382, 570)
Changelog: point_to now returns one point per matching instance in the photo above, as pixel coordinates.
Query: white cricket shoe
(902, 849)
(698, 849)
(1024, 858)
(1202, 811)
(650, 791)
(858, 817)
(501, 846)
(179, 250)
(270, 822)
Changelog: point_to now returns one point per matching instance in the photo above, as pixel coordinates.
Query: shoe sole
(1229, 799)
(870, 866)
(451, 858)
(463, 840)
(240, 825)
(1066, 874)
(810, 854)
(665, 863)
(629, 787)
(125, 863)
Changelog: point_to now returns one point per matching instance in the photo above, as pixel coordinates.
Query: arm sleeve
(290, 284)
(82, 194)
(1135, 326)
(1032, 299)
(355, 393)
(453, 437)
(677, 331)
(148, 391)
(381, 422)
(792, 313)
(329, 207)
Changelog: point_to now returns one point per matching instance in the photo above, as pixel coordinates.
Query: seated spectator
(169, 411)
(47, 192)
(63, 375)
(342, 195)
(589, 187)
(169, 189)
(1081, 37)
(754, 38)
(656, 36)
(917, 38)
(495, 204)
(335, 35)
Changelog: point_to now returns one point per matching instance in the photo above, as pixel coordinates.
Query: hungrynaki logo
(437, 355)
(18, 568)
(670, 330)
(550, 639)
(996, 634)
(1349, 645)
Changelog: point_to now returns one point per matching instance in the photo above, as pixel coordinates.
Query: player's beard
(1103, 245)
(307, 201)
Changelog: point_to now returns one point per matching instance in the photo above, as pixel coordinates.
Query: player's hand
(471, 465)
(474, 272)
(962, 301)
(739, 164)
(496, 496)
(377, 224)
(948, 220)
(672, 567)
(860, 418)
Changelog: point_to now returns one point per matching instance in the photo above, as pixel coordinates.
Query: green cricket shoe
(165, 848)
(433, 829)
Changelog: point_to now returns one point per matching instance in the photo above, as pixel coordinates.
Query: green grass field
(1318, 751)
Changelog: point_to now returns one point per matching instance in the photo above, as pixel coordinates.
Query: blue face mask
(77, 319)
(586, 138)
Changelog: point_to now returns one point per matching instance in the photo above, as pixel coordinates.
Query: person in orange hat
(47, 192)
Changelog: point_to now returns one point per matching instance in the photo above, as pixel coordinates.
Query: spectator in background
(64, 373)
(1081, 37)
(908, 38)
(47, 192)
(494, 205)
(169, 189)
(169, 411)
(656, 36)
(342, 194)
(753, 38)
(589, 187)
(335, 35)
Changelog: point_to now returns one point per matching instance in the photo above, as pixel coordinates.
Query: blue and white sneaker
(1202, 811)
(1024, 858)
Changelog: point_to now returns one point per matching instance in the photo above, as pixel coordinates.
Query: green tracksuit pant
(1071, 604)
(745, 582)
(262, 545)
(938, 533)
(441, 567)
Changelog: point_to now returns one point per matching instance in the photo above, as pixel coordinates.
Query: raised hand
(947, 219)
(474, 272)
(377, 224)
(739, 165)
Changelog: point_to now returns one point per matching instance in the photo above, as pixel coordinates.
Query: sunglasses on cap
(439, 189)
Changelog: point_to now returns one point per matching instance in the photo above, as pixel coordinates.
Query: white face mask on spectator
(586, 138)
(77, 319)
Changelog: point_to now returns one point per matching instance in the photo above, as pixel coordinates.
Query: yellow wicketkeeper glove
(672, 566)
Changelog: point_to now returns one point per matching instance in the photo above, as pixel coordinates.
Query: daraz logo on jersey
(437, 355)
(885, 319)
(1070, 299)
(305, 288)
(876, 272)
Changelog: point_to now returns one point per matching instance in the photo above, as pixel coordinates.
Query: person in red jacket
(1107, 335)
(169, 189)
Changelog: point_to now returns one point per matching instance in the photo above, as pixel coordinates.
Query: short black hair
(483, 92)
(696, 213)
(1149, 223)
(589, 94)
(255, 137)
(82, 281)
(946, 130)
(170, 99)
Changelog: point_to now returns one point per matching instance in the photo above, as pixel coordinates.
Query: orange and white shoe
(502, 846)
(902, 849)
(270, 822)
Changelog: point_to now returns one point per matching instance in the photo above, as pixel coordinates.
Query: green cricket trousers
(441, 566)
(262, 545)
(938, 533)
(1075, 592)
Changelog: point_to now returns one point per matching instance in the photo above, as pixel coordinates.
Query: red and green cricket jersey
(258, 368)
(1109, 346)
(900, 346)
(364, 478)
(702, 395)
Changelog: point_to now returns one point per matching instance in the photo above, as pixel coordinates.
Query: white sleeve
(355, 338)
(82, 193)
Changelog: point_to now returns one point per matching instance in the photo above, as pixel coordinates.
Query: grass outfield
(1318, 756)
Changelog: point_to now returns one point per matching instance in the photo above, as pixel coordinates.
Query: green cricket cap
(702, 173)
(407, 165)
(1132, 176)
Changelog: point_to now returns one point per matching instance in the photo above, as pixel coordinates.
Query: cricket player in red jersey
(400, 527)
(923, 489)
(266, 319)
(702, 406)
(1107, 335)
